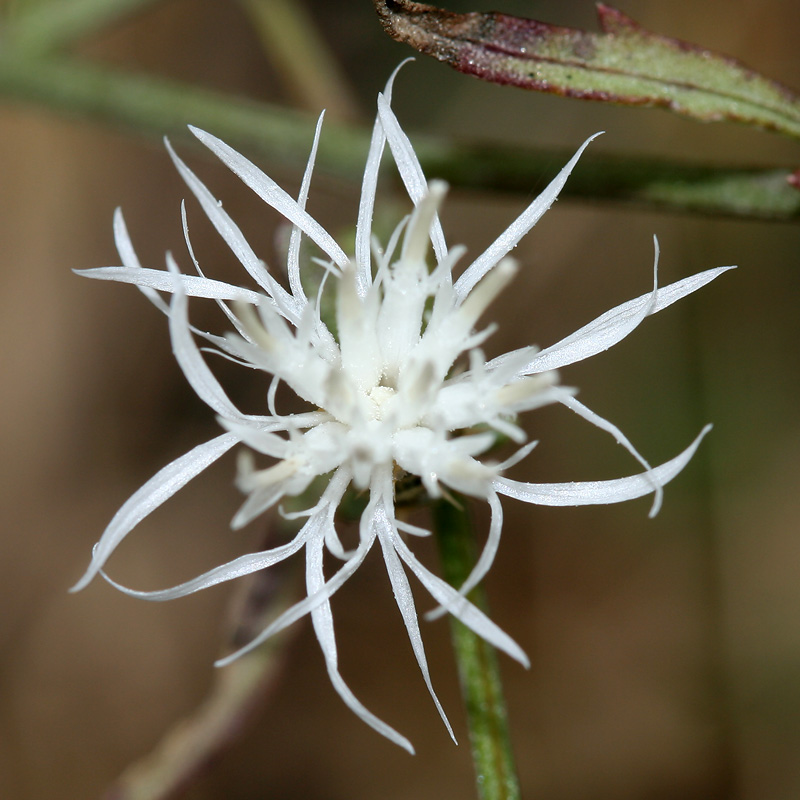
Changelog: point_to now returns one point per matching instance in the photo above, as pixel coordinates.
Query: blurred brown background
(665, 652)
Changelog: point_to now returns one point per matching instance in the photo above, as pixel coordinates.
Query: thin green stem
(481, 686)
(157, 106)
(50, 24)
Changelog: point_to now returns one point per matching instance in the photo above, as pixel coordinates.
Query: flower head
(401, 388)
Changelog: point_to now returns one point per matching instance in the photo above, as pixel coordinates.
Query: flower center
(381, 396)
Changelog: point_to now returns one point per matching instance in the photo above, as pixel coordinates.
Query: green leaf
(624, 64)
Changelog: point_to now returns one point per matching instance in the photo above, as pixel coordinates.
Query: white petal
(131, 262)
(415, 242)
(413, 530)
(304, 607)
(484, 563)
(129, 258)
(165, 483)
(583, 411)
(581, 493)
(293, 256)
(220, 341)
(460, 607)
(189, 357)
(512, 235)
(273, 195)
(369, 185)
(235, 239)
(613, 326)
(410, 169)
(244, 565)
(256, 437)
(405, 602)
(123, 241)
(485, 292)
(258, 502)
(166, 282)
(322, 620)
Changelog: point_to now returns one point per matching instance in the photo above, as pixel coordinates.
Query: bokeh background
(666, 652)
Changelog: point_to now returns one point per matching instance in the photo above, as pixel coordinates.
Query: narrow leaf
(623, 64)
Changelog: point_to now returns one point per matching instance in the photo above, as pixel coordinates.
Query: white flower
(403, 388)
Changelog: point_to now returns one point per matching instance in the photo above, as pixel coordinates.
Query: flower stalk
(478, 670)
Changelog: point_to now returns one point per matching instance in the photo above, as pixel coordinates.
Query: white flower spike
(401, 389)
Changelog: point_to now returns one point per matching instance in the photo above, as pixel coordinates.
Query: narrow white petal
(123, 242)
(600, 422)
(190, 249)
(315, 583)
(582, 493)
(273, 195)
(485, 292)
(235, 239)
(414, 530)
(164, 281)
(258, 502)
(189, 357)
(484, 563)
(322, 620)
(304, 607)
(415, 242)
(611, 327)
(331, 497)
(356, 706)
(293, 259)
(239, 567)
(256, 437)
(410, 169)
(271, 424)
(130, 260)
(405, 603)
(369, 185)
(515, 458)
(165, 483)
(460, 607)
(512, 235)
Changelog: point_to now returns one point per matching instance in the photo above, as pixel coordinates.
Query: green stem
(478, 670)
(157, 106)
(48, 25)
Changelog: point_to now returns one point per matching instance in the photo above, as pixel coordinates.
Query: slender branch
(481, 686)
(156, 107)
